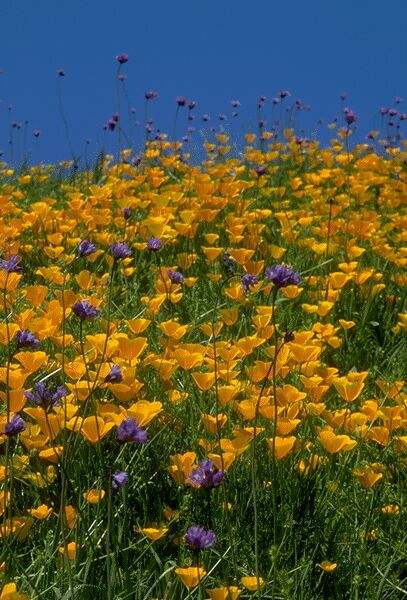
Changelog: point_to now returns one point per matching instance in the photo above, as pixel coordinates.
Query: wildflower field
(201, 375)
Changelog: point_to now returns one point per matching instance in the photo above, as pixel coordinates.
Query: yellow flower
(252, 583)
(190, 576)
(231, 592)
(391, 509)
(42, 512)
(68, 551)
(327, 566)
(94, 496)
(153, 533)
(9, 592)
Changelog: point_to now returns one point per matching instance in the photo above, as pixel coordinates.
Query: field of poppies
(201, 375)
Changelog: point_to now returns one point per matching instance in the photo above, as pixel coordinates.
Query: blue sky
(210, 51)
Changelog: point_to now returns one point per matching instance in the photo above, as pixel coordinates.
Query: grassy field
(218, 347)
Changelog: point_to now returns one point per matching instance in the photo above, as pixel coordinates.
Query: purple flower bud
(14, 426)
(282, 275)
(119, 480)
(129, 431)
(249, 280)
(120, 250)
(61, 73)
(260, 170)
(176, 277)
(350, 116)
(192, 104)
(205, 118)
(126, 213)
(44, 396)
(85, 310)
(114, 375)
(235, 103)
(12, 265)
(85, 248)
(122, 58)
(151, 95)
(181, 101)
(26, 339)
(206, 475)
(198, 538)
(154, 244)
(36, 133)
(284, 94)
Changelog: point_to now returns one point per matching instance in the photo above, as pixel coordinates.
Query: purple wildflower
(260, 170)
(36, 133)
(85, 248)
(350, 116)
(120, 250)
(181, 101)
(61, 73)
(176, 277)
(12, 265)
(43, 396)
(26, 339)
(126, 213)
(122, 58)
(154, 244)
(198, 538)
(206, 475)
(249, 280)
(151, 95)
(119, 480)
(129, 431)
(14, 426)
(115, 375)
(235, 103)
(282, 275)
(85, 310)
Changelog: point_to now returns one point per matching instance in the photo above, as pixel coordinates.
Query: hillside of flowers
(202, 368)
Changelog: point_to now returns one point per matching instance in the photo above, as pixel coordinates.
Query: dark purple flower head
(85, 248)
(229, 263)
(129, 431)
(205, 118)
(85, 310)
(276, 100)
(115, 375)
(176, 277)
(398, 100)
(126, 213)
(122, 58)
(122, 77)
(393, 112)
(260, 170)
(222, 117)
(235, 103)
(284, 94)
(120, 250)
(154, 244)
(191, 104)
(151, 95)
(26, 339)
(350, 116)
(61, 73)
(343, 96)
(282, 275)
(198, 538)
(119, 480)
(15, 426)
(181, 101)
(36, 133)
(43, 396)
(206, 475)
(12, 265)
(249, 280)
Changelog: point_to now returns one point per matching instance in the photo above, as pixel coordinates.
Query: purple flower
(26, 339)
(151, 95)
(120, 250)
(122, 58)
(129, 431)
(14, 426)
(235, 103)
(284, 94)
(229, 264)
(61, 73)
(43, 396)
(85, 310)
(176, 277)
(248, 280)
(85, 248)
(126, 213)
(119, 480)
(260, 170)
(114, 375)
(12, 265)
(154, 244)
(191, 104)
(350, 116)
(205, 117)
(36, 133)
(198, 538)
(181, 101)
(282, 275)
(206, 475)
(393, 112)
